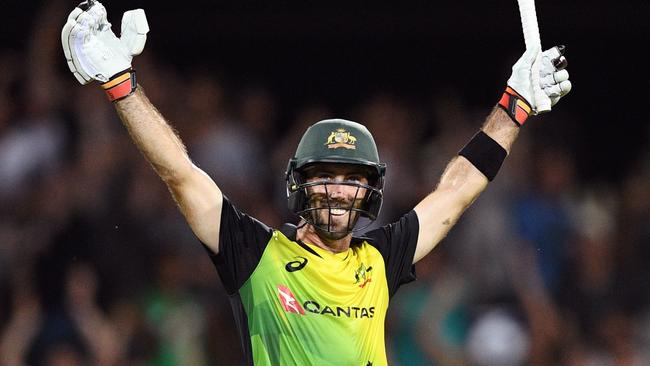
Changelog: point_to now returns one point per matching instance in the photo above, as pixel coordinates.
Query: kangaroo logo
(341, 138)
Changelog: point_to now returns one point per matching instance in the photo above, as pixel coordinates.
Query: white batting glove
(93, 52)
(553, 77)
(520, 99)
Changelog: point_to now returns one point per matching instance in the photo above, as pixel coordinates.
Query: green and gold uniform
(297, 304)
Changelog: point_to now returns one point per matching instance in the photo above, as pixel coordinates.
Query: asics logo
(296, 265)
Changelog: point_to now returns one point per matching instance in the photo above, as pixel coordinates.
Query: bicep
(437, 213)
(200, 201)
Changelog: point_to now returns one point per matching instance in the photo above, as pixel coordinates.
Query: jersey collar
(290, 231)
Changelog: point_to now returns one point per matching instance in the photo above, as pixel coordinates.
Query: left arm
(465, 178)
(460, 184)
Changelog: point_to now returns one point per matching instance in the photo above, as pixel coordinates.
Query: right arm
(94, 53)
(196, 194)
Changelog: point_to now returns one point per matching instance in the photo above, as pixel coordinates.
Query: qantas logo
(289, 302)
(292, 305)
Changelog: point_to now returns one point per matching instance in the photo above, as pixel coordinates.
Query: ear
(374, 200)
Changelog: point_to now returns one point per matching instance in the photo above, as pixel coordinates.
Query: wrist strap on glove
(515, 105)
(121, 85)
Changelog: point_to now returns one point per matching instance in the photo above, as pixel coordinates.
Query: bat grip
(542, 102)
(533, 42)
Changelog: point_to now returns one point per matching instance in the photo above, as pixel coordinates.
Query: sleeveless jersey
(298, 304)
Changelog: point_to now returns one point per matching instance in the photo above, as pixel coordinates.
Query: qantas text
(347, 311)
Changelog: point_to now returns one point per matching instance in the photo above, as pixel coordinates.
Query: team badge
(341, 138)
(362, 275)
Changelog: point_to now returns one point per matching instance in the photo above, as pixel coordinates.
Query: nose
(337, 190)
(340, 191)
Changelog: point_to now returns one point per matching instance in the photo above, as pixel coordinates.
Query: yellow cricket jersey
(297, 304)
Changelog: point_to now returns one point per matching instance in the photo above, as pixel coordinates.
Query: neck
(309, 234)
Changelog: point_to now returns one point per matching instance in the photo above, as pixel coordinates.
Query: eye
(357, 178)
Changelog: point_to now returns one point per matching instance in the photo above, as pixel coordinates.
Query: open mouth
(338, 211)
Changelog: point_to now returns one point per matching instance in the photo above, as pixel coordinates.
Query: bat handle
(542, 102)
(533, 42)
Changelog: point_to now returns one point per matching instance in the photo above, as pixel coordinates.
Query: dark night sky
(340, 51)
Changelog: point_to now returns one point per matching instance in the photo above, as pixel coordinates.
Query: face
(336, 193)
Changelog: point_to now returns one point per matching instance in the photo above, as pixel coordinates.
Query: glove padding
(91, 48)
(553, 78)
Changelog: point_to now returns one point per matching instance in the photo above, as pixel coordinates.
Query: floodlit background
(549, 267)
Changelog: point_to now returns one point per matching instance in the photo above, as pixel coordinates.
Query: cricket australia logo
(341, 138)
(288, 301)
(362, 275)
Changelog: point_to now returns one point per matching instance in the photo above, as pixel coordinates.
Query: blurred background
(548, 267)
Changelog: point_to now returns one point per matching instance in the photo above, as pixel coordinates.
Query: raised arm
(93, 53)
(467, 175)
(196, 194)
(460, 184)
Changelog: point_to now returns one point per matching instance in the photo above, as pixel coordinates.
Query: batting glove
(93, 52)
(523, 97)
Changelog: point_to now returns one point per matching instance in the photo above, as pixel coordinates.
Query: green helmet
(336, 141)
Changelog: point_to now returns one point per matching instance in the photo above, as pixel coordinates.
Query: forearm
(501, 128)
(154, 137)
(459, 186)
(461, 180)
(197, 196)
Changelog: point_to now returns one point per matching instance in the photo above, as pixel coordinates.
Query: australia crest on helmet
(340, 138)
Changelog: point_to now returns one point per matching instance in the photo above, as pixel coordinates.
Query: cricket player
(315, 293)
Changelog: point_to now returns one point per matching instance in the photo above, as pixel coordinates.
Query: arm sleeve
(242, 240)
(396, 242)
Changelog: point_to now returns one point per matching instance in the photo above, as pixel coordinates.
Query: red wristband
(120, 86)
(515, 105)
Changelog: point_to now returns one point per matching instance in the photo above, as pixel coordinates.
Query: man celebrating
(311, 294)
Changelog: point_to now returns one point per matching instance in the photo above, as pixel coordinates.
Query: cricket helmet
(336, 141)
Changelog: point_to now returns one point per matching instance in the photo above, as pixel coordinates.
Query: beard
(332, 218)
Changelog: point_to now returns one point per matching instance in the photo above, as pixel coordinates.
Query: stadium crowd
(97, 266)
